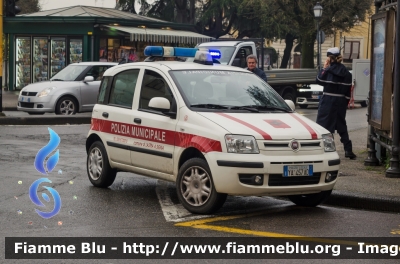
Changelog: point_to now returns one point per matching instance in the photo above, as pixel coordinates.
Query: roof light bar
(215, 54)
(160, 51)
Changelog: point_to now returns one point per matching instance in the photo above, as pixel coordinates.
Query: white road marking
(173, 212)
(177, 213)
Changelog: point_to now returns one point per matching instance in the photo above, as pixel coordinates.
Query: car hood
(40, 86)
(271, 126)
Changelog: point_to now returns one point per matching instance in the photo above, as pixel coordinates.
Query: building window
(351, 50)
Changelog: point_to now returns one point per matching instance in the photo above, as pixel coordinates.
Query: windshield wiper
(212, 106)
(248, 108)
(56, 80)
(270, 107)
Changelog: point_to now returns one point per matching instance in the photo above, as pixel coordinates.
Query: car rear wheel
(98, 168)
(303, 106)
(195, 188)
(310, 200)
(66, 106)
(364, 103)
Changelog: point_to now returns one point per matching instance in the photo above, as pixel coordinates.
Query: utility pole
(1, 55)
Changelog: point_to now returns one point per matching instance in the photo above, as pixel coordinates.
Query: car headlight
(45, 92)
(329, 142)
(241, 144)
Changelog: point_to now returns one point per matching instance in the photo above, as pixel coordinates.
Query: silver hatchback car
(74, 89)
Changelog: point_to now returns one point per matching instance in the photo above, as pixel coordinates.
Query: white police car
(214, 130)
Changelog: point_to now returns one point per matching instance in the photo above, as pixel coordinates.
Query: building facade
(41, 44)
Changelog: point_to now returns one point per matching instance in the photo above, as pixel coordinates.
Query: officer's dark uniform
(260, 73)
(336, 80)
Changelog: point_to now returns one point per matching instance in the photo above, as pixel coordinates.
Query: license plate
(297, 170)
(315, 96)
(21, 99)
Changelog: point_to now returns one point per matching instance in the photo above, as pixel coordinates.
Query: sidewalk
(358, 186)
(10, 99)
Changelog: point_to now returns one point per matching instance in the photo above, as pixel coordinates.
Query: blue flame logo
(35, 199)
(51, 162)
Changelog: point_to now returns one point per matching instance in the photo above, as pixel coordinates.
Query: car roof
(94, 63)
(177, 65)
(221, 43)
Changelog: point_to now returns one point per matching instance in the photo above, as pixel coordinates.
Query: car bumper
(35, 104)
(229, 169)
(307, 101)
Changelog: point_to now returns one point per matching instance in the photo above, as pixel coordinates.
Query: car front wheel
(310, 200)
(98, 168)
(66, 106)
(303, 106)
(195, 188)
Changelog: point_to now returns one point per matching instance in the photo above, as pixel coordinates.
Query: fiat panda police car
(214, 130)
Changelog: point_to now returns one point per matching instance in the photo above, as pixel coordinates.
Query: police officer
(336, 80)
(252, 66)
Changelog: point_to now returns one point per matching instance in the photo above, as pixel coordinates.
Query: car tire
(66, 105)
(310, 200)
(34, 113)
(98, 168)
(364, 103)
(195, 188)
(303, 106)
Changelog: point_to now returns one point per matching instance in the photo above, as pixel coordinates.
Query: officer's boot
(348, 150)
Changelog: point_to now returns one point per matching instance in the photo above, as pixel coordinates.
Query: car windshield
(69, 73)
(226, 54)
(227, 90)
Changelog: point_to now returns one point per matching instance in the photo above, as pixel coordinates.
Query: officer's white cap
(333, 51)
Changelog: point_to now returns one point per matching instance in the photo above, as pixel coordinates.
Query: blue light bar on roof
(160, 51)
(215, 54)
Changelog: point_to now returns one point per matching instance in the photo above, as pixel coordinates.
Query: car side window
(242, 54)
(123, 88)
(102, 91)
(154, 85)
(97, 72)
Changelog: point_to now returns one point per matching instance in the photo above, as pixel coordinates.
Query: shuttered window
(351, 50)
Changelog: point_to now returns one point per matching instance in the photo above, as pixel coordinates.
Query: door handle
(137, 120)
(105, 114)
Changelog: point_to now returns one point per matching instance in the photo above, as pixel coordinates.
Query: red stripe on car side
(312, 132)
(163, 136)
(262, 133)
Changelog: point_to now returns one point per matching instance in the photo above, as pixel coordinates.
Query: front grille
(284, 145)
(26, 105)
(29, 93)
(279, 180)
(297, 162)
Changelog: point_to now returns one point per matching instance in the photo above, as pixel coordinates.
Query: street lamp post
(318, 14)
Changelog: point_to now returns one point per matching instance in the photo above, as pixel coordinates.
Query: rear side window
(102, 90)
(123, 88)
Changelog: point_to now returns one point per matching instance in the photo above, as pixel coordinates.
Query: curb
(364, 201)
(59, 120)
(9, 108)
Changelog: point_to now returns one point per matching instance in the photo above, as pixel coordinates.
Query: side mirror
(236, 62)
(88, 79)
(159, 103)
(291, 104)
(162, 104)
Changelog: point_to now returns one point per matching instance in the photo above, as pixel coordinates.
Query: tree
(27, 6)
(294, 19)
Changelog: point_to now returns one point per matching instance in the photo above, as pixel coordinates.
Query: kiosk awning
(162, 35)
